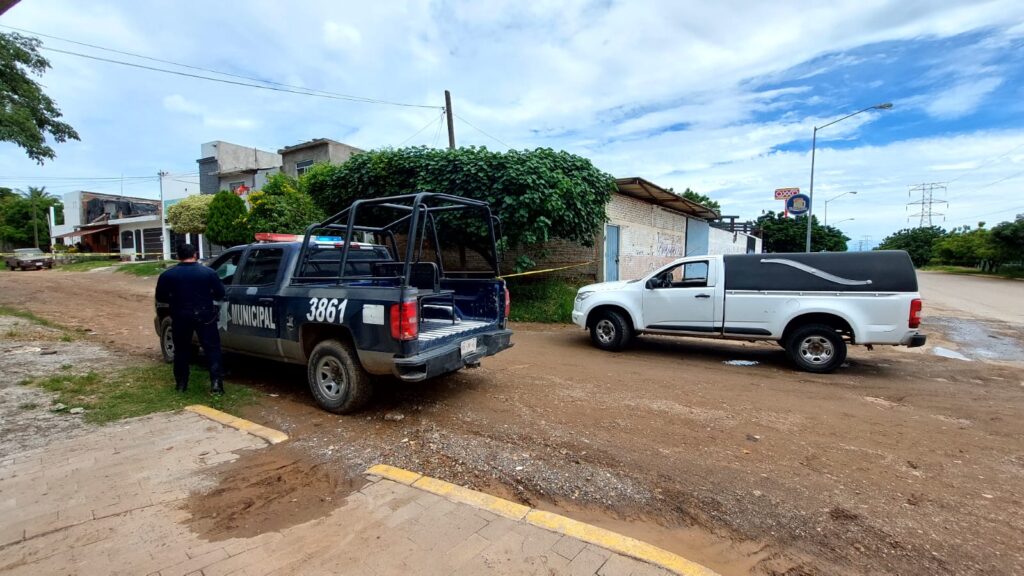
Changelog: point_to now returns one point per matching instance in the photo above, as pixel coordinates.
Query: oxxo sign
(785, 194)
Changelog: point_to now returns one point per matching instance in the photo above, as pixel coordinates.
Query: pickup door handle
(266, 300)
(703, 296)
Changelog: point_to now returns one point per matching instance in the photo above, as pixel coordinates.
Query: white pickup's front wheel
(609, 330)
(336, 378)
(816, 348)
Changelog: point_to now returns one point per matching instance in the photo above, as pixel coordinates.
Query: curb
(606, 539)
(270, 435)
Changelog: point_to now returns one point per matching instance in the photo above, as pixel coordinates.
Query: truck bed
(434, 329)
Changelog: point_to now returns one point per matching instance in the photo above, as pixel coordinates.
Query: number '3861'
(326, 309)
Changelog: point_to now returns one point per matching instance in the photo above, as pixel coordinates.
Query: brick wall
(649, 236)
(725, 242)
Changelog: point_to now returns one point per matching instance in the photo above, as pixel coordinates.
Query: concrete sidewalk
(110, 502)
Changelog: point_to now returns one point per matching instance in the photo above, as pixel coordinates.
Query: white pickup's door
(682, 299)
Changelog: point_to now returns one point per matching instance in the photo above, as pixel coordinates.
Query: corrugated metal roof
(648, 191)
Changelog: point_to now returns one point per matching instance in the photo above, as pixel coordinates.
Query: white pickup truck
(812, 304)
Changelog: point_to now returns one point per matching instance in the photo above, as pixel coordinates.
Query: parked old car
(29, 259)
(812, 304)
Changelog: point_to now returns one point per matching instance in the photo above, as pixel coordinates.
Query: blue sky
(719, 98)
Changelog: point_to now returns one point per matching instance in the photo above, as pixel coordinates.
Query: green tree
(964, 247)
(280, 206)
(538, 194)
(782, 234)
(918, 242)
(24, 216)
(27, 114)
(1008, 242)
(39, 202)
(226, 221)
(188, 216)
(702, 199)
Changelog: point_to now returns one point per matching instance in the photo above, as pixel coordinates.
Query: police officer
(190, 288)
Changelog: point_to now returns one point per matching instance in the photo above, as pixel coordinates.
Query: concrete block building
(648, 226)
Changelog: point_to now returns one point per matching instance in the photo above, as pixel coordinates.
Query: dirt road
(974, 296)
(901, 463)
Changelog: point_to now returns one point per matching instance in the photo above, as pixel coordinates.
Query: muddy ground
(904, 462)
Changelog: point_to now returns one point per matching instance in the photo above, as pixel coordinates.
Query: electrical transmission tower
(927, 202)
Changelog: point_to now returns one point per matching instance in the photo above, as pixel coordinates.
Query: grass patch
(146, 268)
(1011, 272)
(86, 265)
(137, 391)
(549, 300)
(26, 315)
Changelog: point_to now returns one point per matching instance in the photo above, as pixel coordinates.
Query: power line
(233, 82)
(482, 132)
(1001, 210)
(310, 91)
(435, 120)
(437, 132)
(988, 163)
(76, 178)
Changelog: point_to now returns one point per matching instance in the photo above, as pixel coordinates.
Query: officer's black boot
(217, 386)
(181, 386)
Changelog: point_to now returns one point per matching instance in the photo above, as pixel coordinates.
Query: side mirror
(651, 284)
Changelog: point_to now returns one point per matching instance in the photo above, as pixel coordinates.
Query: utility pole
(451, 119)
(927, 202)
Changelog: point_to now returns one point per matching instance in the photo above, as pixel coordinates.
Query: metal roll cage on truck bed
(352, 299)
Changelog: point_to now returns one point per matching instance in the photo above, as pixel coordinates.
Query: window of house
(261, 267)
(226, 266)
(235, 186)
(302, 167)
(127, 240)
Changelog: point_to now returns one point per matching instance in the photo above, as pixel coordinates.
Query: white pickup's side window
(684, 275)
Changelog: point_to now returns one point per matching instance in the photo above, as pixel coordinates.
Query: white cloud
(603, 79)
(341, 35)
(178, 103)
(962, 99)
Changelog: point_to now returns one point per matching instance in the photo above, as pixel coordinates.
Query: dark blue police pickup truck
(388, 296)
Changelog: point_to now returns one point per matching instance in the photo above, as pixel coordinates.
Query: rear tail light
(404, 322)
(915, 313)
(508, 302)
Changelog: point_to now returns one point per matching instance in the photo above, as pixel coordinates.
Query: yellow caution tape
(545, 270)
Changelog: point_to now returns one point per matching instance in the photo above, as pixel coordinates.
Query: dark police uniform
(190, 288)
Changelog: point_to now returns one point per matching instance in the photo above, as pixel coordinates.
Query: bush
(226, 221)
(539, 195)
(280, 206)
(547, 300)
(188, 216)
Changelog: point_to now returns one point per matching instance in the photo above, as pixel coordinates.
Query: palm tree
(39, 198)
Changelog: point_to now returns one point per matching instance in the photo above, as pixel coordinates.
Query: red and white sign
(786, 193)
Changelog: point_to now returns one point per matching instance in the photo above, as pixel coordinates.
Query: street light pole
(814, 145)
(825, 223)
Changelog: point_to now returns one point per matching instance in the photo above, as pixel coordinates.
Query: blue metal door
(611, 253)
(697, 232)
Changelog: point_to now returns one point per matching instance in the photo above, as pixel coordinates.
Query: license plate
(468, 347)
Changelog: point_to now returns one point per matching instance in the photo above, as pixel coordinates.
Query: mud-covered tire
(167, 340)
(816, 348)
(337, 380)
(611, 331)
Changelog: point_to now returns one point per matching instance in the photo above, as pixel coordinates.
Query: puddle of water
(947, 353)
(980, 340)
